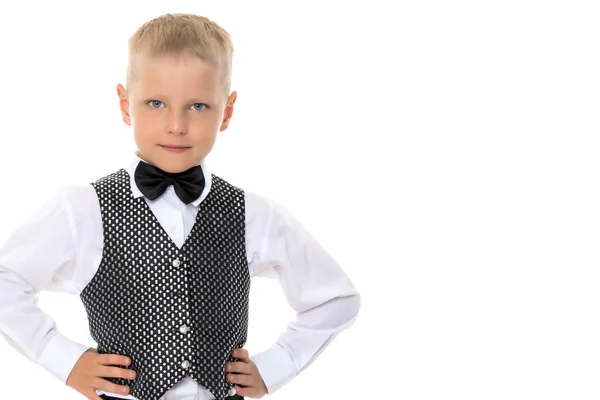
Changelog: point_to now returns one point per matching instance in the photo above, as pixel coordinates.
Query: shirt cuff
(60, 356)
(275, 367)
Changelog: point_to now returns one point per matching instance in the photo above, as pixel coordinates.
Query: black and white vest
(175, 312)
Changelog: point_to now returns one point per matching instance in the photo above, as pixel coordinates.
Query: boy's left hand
(248, 381)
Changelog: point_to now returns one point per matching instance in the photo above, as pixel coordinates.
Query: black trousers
(234, 397)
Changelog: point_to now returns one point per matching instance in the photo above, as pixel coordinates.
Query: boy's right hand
(89, 370)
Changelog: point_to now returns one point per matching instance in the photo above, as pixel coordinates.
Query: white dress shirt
(59, 249)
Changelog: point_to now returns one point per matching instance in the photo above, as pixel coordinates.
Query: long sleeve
(315, 286)
(39, 255)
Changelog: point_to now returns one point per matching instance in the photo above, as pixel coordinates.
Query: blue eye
(153, 102)
(157, 103)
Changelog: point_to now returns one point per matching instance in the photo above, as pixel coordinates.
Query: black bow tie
(153, 181)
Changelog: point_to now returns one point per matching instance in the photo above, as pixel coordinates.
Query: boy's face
(175, 101)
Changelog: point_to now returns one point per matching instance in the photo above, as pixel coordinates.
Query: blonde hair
(180, 34)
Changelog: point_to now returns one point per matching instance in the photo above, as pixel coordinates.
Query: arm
(39, 255)
(325, 300)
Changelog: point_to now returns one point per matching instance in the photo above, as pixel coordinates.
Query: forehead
(177, 75)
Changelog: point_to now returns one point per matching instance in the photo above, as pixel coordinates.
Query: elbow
(353, 303)
(356, 304)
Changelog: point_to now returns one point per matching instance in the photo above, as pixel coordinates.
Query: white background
(445, 153)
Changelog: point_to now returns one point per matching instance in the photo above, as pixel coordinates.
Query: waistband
(234, 397)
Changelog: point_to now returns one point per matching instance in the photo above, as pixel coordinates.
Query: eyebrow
(189, 101)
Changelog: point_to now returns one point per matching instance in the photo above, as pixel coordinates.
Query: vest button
(176, 263)
(185, 364)
(183, 329)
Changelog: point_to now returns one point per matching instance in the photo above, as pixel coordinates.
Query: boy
(161, 253)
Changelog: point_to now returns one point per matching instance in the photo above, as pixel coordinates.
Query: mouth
(173, 146)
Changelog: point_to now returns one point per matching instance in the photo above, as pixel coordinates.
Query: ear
(228, 113)
(124, 103)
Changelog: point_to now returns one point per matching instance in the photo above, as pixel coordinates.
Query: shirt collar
(135, 159)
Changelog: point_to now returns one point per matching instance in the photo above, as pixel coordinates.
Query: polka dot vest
(175, 312)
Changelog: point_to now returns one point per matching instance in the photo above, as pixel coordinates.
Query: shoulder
(62, 210)
(260, 208)
(268, 210)
(78, 198)
(78, 194)
(257, 205)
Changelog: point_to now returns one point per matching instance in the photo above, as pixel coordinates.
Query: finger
(116, 372)
(113, 359)
(245, 391)
(241, 379)
(93, 396)
(242, 354)
(108, 386)
(240, 367)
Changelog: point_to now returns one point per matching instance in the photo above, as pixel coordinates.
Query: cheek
(143, 121)
(139, 114)
(206, 126)
(144, 131)
(209, 124)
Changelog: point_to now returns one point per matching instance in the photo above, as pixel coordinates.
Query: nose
(177, 123)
